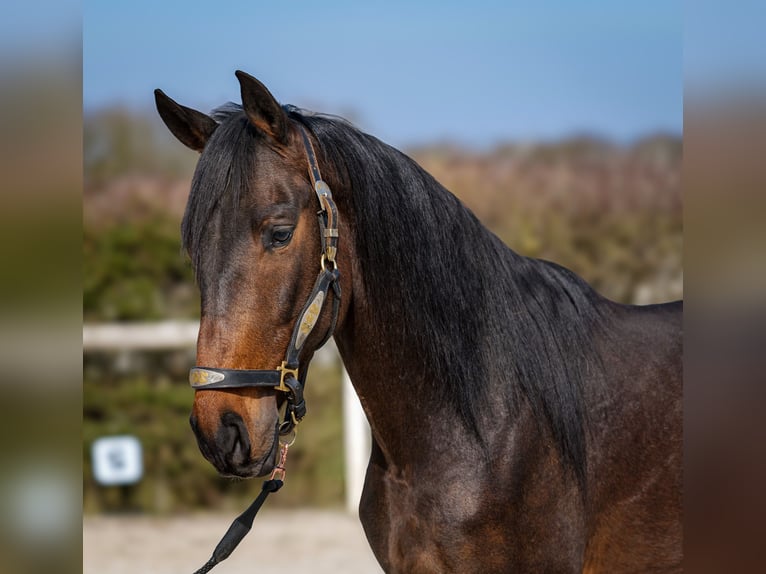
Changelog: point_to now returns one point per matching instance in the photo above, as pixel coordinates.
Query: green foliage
(135, 271)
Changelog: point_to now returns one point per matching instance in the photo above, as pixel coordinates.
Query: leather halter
(287, 377)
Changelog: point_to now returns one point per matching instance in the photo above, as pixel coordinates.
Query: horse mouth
(260, 467)
(229, 450)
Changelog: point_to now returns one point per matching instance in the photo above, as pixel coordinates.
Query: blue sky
(409, 72)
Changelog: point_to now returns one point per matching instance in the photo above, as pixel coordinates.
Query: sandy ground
(304, 541)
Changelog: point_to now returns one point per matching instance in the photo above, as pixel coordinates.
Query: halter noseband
(286, 377)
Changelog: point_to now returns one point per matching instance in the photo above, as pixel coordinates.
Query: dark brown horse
(520, 421)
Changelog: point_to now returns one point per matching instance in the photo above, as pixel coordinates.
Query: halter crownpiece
(286, 377)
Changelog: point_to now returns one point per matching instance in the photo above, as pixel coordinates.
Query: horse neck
(405, 415)
(449, 334)
(396, 357)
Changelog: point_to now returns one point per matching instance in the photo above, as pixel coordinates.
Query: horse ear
(262, 109)
(192, 128)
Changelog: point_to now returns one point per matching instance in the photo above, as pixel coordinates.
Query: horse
(520, 421)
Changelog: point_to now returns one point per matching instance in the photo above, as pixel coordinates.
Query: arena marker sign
(117, 460)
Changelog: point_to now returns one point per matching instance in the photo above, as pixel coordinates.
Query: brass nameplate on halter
(309, 319)
(201, 377)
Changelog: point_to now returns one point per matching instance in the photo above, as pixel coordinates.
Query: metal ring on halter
(292, 441)
(290, 425)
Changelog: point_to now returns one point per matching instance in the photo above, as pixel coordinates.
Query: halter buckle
(284, 370)
(325, 259)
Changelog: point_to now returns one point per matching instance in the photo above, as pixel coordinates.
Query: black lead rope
(244, 522)
(240, 527)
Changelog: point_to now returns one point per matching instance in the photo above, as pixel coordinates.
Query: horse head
(252, 233)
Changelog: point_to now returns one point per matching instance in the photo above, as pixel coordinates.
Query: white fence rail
(169, 335)
(140, 336)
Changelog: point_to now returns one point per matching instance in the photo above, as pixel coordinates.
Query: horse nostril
(233, 439)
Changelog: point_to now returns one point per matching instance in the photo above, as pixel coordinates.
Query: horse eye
(281, 237)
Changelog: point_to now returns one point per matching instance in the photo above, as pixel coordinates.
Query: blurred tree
(117, 141)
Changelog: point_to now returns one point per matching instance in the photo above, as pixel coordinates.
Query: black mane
(476, 311)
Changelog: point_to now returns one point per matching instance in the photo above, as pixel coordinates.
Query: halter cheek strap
(288, 377)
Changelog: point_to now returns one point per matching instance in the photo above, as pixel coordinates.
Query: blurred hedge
(134, 270)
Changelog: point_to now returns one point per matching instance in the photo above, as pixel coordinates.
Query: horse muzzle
(230, 450)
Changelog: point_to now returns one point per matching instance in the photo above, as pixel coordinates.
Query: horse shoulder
(635, 449)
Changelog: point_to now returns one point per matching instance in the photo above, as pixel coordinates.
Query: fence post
(356, 444)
